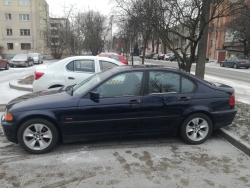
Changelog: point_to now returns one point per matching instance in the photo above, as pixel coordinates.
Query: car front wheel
(196, 129)
(37, 136)
(222, 65)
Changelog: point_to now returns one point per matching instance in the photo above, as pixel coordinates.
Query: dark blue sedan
(236, 62)
(124, 100)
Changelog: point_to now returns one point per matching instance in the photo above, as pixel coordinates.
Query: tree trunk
(202, 47)
(153, 43)
(157, 45)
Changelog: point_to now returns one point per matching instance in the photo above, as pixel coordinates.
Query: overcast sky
(56, 6)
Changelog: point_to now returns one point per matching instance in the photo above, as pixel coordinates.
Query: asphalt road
(227, 73)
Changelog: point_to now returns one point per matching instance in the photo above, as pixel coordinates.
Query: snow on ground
(7, 94)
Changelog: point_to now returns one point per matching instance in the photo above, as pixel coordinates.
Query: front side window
(9, 31)
(23, 2)
(24, 32)
(8, 16)
(105, 65)
(122, 85)
(24, 17)
(81, 66)
(6, 2)
(163, 82)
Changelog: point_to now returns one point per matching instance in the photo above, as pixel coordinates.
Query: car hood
(20, 59)
(42, 100)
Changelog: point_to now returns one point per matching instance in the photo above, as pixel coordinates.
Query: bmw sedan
(69, 71)
(236, 62)
(125, 100)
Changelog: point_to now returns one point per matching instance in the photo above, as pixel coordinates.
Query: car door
(167, 96)
(78, 70)
(117, 111)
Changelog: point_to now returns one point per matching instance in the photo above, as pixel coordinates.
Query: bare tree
(94, 27)
(179, 23)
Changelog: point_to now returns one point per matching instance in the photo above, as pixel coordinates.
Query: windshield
(33, 55)
(87, 84)
(20, 56)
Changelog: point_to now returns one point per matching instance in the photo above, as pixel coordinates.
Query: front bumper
(9, 130)
(223, 118)
(16, 63)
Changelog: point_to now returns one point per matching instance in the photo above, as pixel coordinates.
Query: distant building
(22, 24)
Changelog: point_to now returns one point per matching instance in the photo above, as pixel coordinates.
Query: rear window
(115, 57)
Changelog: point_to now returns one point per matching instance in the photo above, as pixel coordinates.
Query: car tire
(27, 64)
(222, 65)
(31, 136)
(235, 66)
(247, 67)
(196, 129)
(7, 67)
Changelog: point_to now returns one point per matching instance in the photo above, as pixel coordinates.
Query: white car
(38, 58)
(167, 56)
(70, 71)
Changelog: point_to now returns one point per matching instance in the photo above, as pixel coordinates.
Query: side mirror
(94, 95)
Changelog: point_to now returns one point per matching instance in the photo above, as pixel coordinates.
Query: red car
(4, 63)
(114, 56)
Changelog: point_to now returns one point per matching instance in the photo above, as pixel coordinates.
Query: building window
(25, 46)
(23, 2)
(24, 17)
(211, 43)
(10, 46)
(6, 2)
(24, 32)
(9, 31)
(8, 16)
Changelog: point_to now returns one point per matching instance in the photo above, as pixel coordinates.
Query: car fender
(24, 116)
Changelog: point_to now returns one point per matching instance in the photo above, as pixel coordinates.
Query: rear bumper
(223, 118)
(244, 65)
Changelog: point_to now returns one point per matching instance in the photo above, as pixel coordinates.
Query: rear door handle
(184, 99)
(134, 102)
(71, 78)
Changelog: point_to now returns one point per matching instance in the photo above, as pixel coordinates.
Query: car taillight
(232, 100)
(38, 75)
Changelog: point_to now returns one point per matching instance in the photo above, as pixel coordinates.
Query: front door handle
(135, 102)
(71, 78)
(184, 99)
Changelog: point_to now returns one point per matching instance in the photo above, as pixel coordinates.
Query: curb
(235, 141)
(20, 88)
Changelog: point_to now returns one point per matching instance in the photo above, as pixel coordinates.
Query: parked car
(70, 71)
(23, 60)
(114, 56)
(38, 58)
(161, 56)
(4, 63)
(155, 56)
(149, 55)
(167, 56)
(124, 100)
(236, 62)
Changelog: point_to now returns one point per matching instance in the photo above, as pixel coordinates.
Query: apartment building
(22, 24)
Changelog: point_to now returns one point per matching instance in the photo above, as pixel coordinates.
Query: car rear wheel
(7, 67)
(37, 136)
(247, 67)
(196, 129)
(222, 65)
(235, 66)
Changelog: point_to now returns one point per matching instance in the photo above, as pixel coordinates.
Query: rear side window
(81, 66)
(165, 82)
(105, 65)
